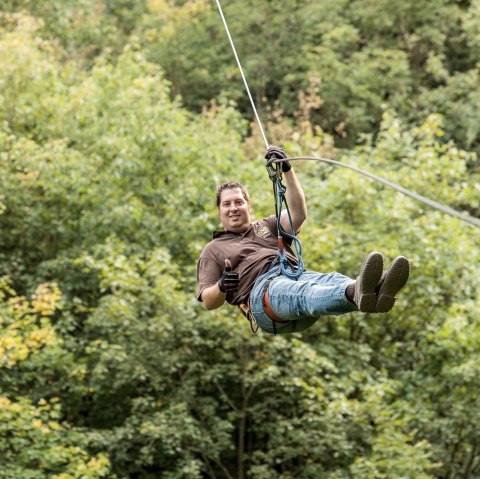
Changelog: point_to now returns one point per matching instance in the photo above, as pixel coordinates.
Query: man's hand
(279, 155)
(229, 281)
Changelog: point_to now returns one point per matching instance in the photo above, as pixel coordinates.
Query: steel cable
(434, 204)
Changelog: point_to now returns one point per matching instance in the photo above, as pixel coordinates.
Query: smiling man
(240, 266)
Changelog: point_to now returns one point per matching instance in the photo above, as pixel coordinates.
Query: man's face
(234, 211)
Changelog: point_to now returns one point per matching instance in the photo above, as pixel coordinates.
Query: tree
(112, 368)
(36, 441)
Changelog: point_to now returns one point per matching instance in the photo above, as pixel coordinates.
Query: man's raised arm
(294, 192)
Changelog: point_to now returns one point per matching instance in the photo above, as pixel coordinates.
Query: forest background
(118, 119)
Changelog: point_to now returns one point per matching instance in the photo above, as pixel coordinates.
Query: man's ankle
(350, 292)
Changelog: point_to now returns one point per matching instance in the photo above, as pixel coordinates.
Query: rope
(287, 269)
(243, 75)
(434, 204)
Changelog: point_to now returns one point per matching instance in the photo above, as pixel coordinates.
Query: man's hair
(230, 185)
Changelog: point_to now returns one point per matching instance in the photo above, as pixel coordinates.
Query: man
(240, 266)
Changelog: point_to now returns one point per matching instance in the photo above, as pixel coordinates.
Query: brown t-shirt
(251, 254)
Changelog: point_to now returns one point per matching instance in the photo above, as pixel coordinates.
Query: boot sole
(370, 275)
(395, 279)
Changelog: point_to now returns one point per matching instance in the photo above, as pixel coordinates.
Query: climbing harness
(247, 310)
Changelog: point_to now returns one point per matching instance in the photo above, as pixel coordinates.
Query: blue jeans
(300, 303)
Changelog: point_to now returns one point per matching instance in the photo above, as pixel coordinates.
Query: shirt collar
(218, 234)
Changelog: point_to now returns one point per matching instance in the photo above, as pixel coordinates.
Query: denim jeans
(300, 303)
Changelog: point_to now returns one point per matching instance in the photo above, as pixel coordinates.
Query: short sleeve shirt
(251, 254)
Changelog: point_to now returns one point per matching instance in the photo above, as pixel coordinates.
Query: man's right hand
(229, 281)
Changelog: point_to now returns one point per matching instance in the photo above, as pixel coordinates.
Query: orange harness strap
(247, 311)
(268, 308)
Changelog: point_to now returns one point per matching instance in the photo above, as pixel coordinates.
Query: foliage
(36, 441)
(110, 367)
(364, 56)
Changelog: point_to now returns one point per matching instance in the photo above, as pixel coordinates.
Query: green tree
(107, 188)
(36, 441)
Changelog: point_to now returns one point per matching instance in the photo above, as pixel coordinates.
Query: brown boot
(365, 296)
(391, 282)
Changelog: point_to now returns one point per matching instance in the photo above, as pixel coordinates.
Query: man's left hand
(279, 155)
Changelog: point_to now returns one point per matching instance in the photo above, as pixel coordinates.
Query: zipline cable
(243, 75)
(434, 204)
